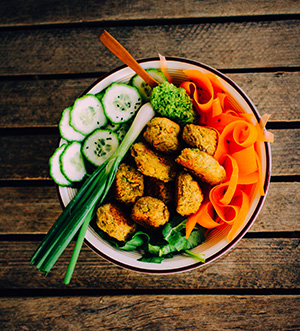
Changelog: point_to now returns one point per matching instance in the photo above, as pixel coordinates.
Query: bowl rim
(260, 202)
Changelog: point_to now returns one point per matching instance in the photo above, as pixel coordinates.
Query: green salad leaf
(138, 239)
(173, 241)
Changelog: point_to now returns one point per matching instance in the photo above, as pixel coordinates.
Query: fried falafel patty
(188, 194)
(163, 134)
(159, 189)
(129, 184)
(150, 212)
(152, 163)
(202, 165)
(205, 139)
(113, 220)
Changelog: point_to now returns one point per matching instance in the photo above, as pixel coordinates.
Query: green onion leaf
(81, 208)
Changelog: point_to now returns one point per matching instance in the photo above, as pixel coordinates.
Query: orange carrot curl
(237, 151)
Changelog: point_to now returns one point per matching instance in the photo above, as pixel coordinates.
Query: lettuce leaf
(173, 241)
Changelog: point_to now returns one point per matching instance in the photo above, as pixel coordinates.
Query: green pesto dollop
(173, 102)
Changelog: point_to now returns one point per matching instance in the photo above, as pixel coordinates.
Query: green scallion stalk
(77, 248)
(199, 257)
(86, 222)
(81, 208)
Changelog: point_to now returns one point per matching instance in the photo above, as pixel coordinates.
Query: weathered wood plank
(272, 93)
(223, 45)
(33, 210)
(284, 163)
(26, 156)
(40, 12)
(281, 210)
(39, 103)
(28, 209)
(152, 312)
(252, 264)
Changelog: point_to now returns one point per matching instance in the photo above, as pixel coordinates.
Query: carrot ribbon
(237, 151)
(200, 89)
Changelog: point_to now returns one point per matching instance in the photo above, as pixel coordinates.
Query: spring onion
(81, 208)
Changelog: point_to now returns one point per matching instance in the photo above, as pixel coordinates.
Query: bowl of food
(209, 191)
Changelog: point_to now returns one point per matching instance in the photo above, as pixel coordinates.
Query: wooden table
(50, 53)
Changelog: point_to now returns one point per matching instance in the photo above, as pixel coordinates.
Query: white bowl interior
(216, 243)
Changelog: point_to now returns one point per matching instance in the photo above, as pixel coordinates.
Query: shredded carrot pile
(228, 203)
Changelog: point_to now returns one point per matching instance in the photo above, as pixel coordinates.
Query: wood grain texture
(33, 210)
(231, 45)
(153, 312)
(252, 264)
(39, 103)
(50, 53)
(272, 93)
(43, 12)
(26, 157)
(28, 210)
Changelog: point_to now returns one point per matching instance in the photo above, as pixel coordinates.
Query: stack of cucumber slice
(92, 128)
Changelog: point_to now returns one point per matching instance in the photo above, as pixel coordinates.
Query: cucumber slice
(87, 114)
(99, 146)
(72, 163)
(144, 89)
(55, 171)
(121, 102)
(65, 129)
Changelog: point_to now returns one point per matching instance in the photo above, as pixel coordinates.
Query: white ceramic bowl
(216, 243)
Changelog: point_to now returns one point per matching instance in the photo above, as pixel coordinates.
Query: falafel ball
(204, 138)
(159, 189)
(150, 212)
(202, 165)
(152, 163)
(188, 194)
(113, 220)
(129, 184)
(163, 134)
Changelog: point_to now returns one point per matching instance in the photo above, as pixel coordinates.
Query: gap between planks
(151, 22)
(63, 76)
(54, 292)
